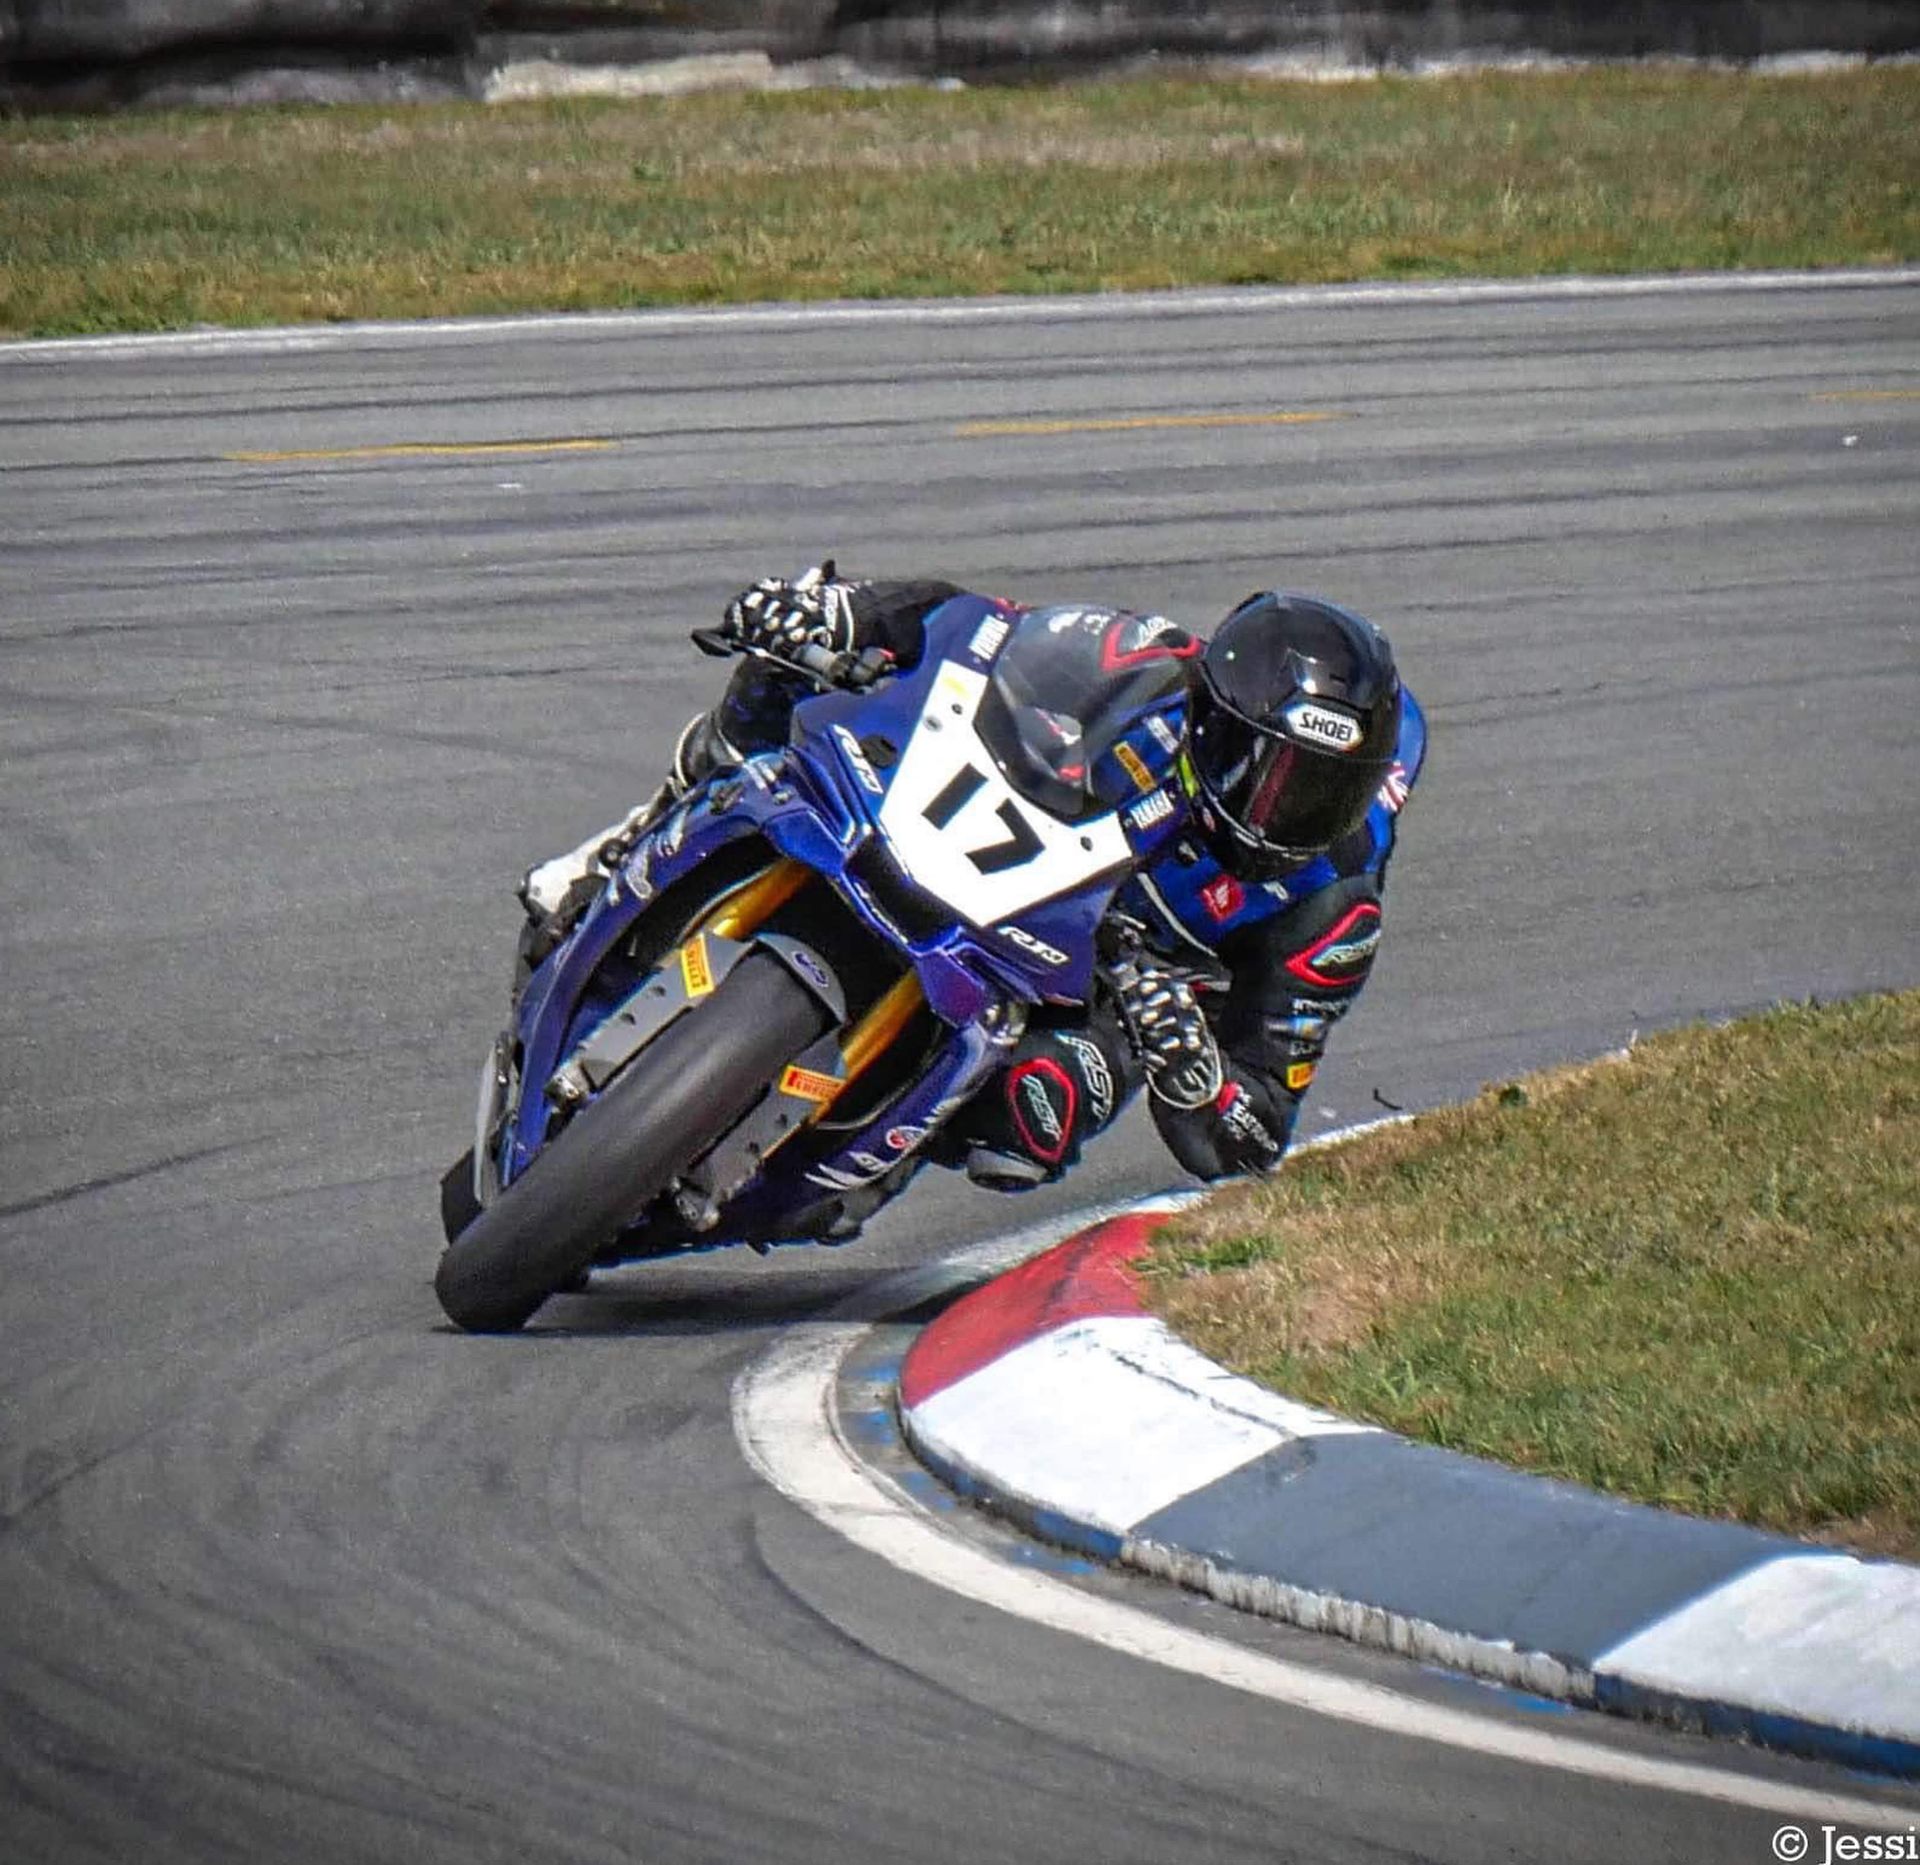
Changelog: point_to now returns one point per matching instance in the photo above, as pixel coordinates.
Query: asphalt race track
(309, 645)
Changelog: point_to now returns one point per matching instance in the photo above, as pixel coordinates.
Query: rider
(1225, 964)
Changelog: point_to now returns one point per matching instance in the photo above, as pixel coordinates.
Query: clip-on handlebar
(826, 668)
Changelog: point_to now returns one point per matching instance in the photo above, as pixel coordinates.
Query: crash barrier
(62, 53)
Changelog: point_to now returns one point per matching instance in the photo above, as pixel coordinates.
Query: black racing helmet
(1295, 720)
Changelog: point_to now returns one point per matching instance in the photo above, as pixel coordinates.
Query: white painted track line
(1251, 300)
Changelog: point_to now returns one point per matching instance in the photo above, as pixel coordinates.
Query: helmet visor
(1282, 795)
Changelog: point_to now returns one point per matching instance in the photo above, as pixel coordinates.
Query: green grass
(152, 221)
(1691, 1277)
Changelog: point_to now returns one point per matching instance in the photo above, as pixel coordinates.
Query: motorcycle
(797, 974)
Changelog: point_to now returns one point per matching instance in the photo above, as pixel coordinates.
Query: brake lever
(867, 667)
(830, 671)
(821, 666)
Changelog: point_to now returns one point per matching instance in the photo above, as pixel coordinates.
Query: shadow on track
(624, 1305)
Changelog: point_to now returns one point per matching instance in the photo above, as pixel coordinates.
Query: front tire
(679, 1095)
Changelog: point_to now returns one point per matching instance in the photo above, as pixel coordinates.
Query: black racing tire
(685, 1089)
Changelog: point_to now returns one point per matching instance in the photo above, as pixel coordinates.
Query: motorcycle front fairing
(923, 820)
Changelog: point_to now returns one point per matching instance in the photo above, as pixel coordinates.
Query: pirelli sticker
(696, 969)
(1298, 1075)
(808, 1084)
(1134, 765)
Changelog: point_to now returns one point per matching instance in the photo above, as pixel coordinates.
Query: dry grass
(287, 215)
(1688, 1276)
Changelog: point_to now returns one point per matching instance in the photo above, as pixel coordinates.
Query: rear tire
(679, 1095)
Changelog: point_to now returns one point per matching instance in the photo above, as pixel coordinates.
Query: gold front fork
(878, 1030)
(743, 912)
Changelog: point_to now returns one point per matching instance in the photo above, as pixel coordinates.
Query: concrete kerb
(1049, 1395)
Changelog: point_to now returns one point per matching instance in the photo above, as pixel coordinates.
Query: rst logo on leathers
(1323, 725)
(1340, 957)
(1096, 1074)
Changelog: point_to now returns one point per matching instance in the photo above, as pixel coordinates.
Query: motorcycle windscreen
(1065, 688)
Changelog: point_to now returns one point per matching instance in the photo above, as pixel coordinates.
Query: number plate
(962, 831)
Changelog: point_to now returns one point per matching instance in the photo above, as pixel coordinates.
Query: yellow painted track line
(981, 430)
(420, 449)
(1870, 395)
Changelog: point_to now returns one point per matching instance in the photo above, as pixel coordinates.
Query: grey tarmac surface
(289, 1572)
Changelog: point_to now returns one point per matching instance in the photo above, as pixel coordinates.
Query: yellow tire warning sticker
(696, 969)
(809, 1084)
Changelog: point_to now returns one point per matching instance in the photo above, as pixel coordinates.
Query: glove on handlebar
(816, 611)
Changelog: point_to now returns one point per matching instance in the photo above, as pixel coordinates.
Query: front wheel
(679, 1095)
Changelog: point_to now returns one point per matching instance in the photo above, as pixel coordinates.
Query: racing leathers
(1216, 993)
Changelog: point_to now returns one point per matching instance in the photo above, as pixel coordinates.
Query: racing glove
(1169, 1031)
(783, 617)
(1240, 1131)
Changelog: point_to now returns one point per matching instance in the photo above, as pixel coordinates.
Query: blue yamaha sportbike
(799, 972)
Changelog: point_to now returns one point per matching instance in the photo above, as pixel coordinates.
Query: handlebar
(827, 668)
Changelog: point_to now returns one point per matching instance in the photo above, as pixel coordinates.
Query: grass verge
(256, 216)
(1691, 1276)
